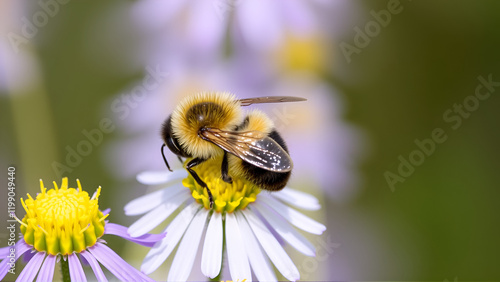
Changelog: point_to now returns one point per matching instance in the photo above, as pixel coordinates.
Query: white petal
(287, 232)
(236, 255)
(294, 217)
(186, 253)
(161, 250)
(260, 264)
(150, 201)
(298, 199)
(272, 247)
(161, 177)
(152, 219)
(211, 259)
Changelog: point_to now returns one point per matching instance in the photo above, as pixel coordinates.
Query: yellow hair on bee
(259, 121)
(206, 109)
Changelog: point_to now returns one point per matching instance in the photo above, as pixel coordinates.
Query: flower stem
(65, 270)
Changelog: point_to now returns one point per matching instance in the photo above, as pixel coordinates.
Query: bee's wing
(270, 99)
(253, 147)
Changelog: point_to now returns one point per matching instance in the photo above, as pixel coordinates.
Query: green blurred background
(441, 223)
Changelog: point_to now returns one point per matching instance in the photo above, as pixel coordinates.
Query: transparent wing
(251, 146)
(270, 99)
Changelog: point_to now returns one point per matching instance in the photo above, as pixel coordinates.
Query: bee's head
(170, 140)
(206, 109)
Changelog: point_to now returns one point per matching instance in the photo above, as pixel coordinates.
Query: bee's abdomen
(265, 179)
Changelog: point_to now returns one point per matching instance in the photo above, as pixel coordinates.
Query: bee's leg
(225, 170)
(180, 159)
(189, 166)
(165, 159)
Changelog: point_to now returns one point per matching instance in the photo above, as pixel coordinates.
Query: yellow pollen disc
(302, 54)
(227, 197)
(62, 220)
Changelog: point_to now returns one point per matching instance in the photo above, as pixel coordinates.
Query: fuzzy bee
(212, 124)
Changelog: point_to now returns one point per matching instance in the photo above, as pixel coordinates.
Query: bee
(212, 125)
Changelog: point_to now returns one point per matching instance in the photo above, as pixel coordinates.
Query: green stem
(65, 270)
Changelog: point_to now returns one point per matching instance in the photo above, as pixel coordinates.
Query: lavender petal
(83, 260)
(4, 252)
(95, 266)
(75, 269)
(47, 269)
(114, 263)
(106, 211)
(27, 256)
(4, 268)
(31, 269)
(21, 247)
(147, 240)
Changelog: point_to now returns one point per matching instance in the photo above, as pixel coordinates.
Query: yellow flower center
(302, 54)
(62, 220)
(227, 197)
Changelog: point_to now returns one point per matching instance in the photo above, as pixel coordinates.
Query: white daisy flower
(251, 223)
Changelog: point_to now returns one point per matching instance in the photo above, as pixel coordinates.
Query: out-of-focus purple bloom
(258, 24)
(18, 67)
(322, 145)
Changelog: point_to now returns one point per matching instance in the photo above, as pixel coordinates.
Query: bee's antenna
(163, 154)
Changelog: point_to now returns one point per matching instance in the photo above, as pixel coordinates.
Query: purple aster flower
(65, 225)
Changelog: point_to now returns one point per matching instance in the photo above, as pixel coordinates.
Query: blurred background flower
(294, 60)
(259, 25)
(71, 104)
(333, 147)
(21, 79)
(220, 46)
